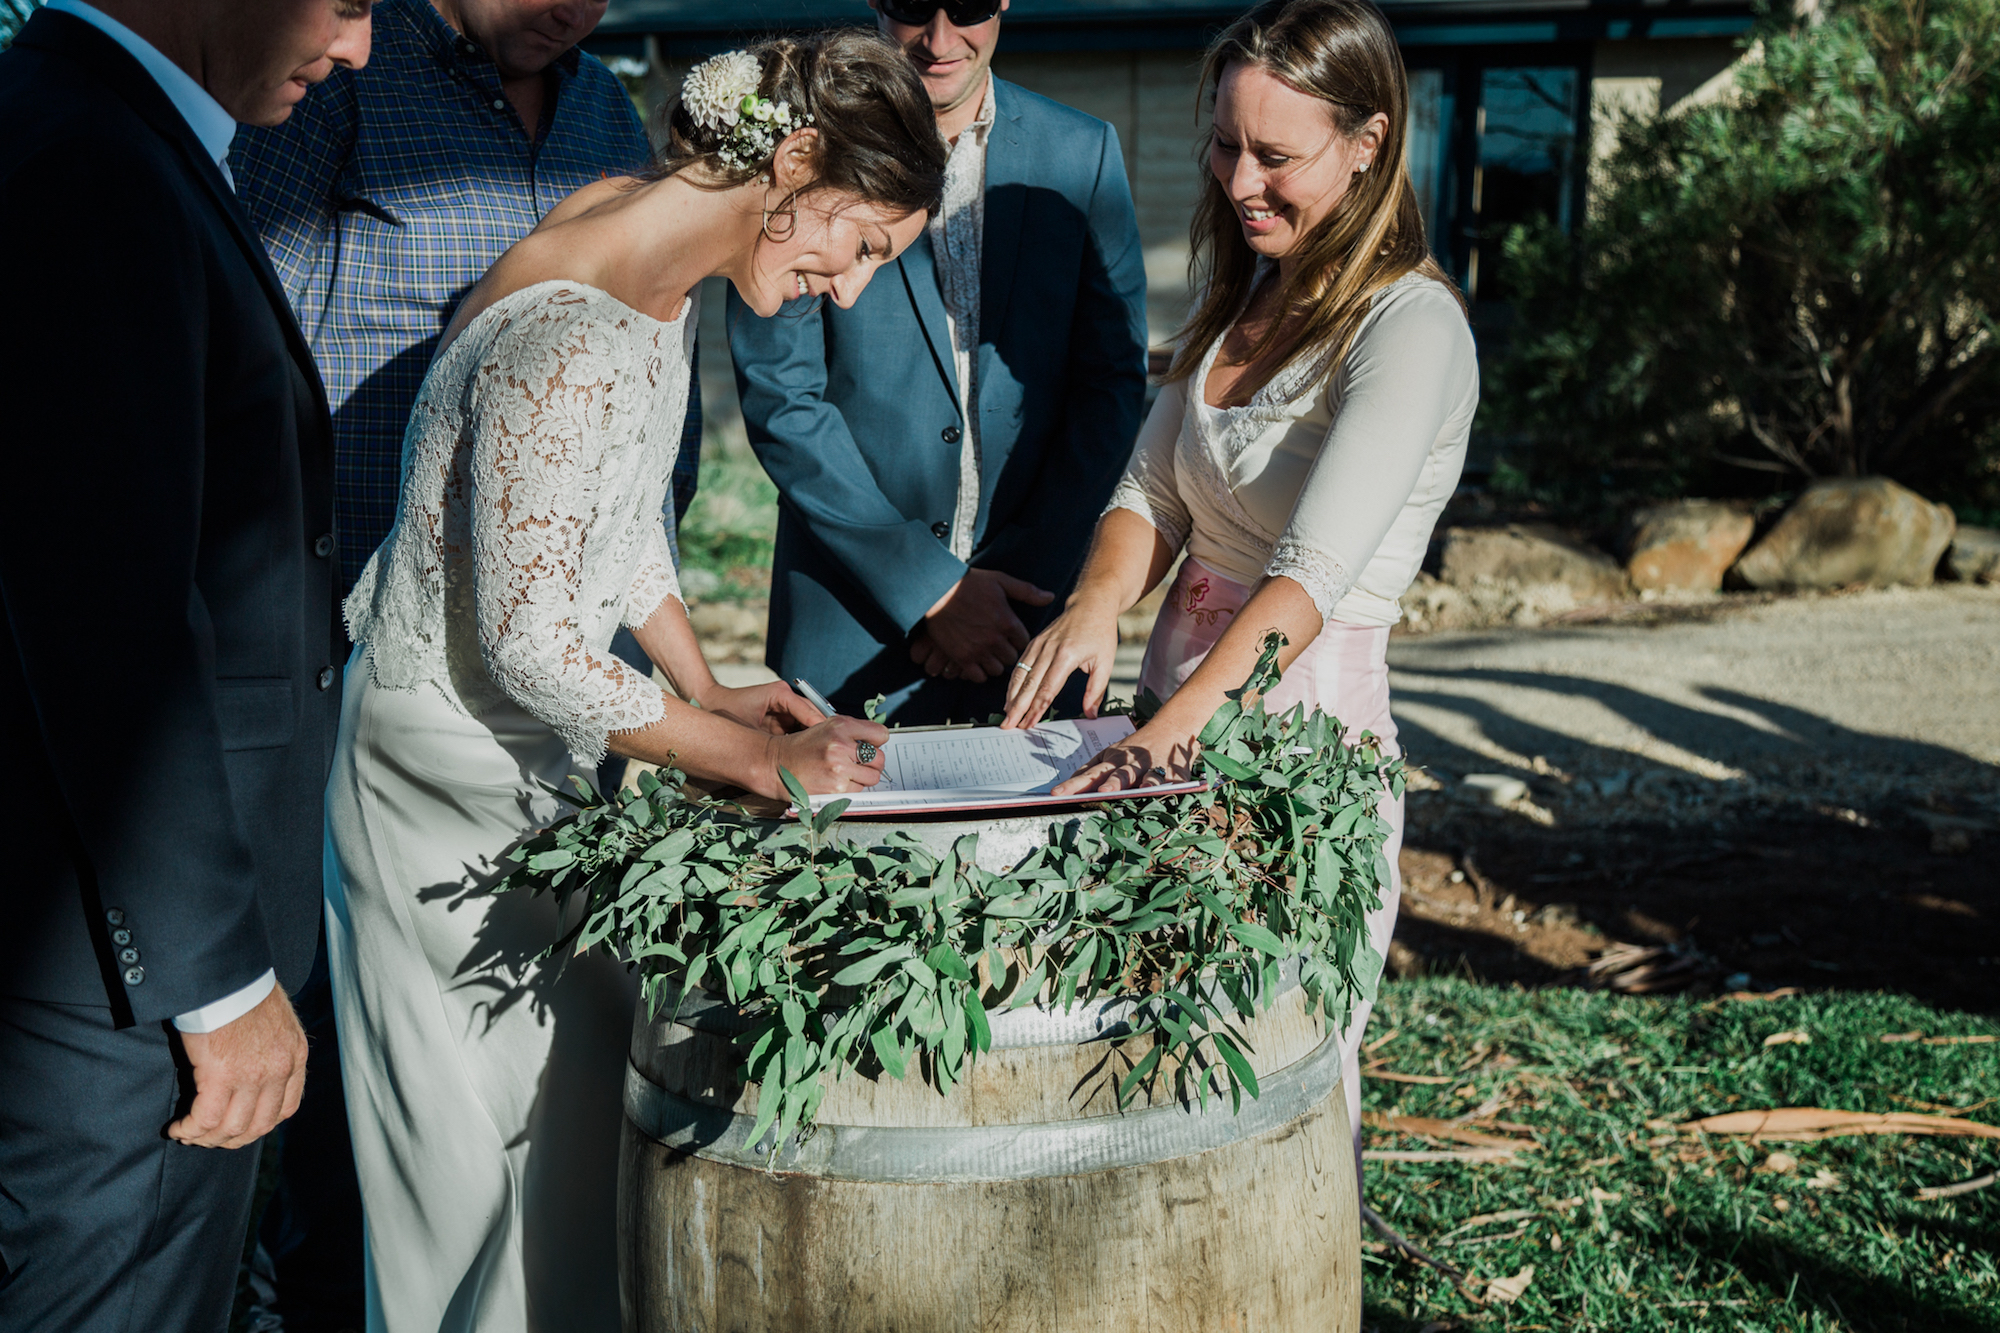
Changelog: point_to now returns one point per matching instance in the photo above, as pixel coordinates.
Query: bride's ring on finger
(865, 751)
(1021, 666)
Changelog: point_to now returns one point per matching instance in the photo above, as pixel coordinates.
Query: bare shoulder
(598, 192)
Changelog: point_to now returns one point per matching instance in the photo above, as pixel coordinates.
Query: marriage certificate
(985, 768)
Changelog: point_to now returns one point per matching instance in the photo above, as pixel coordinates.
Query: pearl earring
(764, 179)
(1362, 167)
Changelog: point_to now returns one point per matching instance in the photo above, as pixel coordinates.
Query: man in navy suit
(172, 455)
(942, 450)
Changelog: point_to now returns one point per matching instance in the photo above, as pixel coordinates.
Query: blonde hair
(1344, 53)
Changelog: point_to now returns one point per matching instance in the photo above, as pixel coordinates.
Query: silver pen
(813, 696)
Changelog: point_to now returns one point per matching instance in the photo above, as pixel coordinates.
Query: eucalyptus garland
(850, 952)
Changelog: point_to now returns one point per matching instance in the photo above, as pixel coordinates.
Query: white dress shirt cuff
(229, 1008)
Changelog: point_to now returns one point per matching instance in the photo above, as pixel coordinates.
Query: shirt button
(134, 975)
(128, 956)
(324, 546)
(325, 677)
(950, 434)
(940, 529)
(499, 104)
(115, 917)
(121, 937)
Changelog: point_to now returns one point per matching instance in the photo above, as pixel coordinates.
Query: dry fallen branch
(1370, 1071)
(1782, 993)
(1634, 969)
(1797, 1124)
(1427, 1127)
(1962, 1187)
(1405, 1246)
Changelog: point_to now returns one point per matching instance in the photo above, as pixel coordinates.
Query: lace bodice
(1331, 476)
(535, 467)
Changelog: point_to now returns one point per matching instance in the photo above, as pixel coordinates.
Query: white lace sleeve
(655, 580)
(1403, 379)
(1150, 487)
(540, 402)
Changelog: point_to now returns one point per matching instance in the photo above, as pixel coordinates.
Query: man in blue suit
(942, 449)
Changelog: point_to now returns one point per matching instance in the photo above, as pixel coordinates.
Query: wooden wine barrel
(1023, 1201)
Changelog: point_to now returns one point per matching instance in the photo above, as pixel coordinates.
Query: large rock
(1686, 545)
(1531, 555)
(1849, 530)
(1975, 556)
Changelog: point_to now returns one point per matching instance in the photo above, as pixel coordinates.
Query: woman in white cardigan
(1313, 423)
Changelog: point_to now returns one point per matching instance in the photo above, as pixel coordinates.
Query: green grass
(730, 527)
(1693, 1219)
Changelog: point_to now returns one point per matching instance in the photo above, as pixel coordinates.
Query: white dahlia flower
(715, 90)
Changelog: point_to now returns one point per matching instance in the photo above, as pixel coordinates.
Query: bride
(483, 1088)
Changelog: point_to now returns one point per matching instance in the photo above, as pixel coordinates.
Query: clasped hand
(972, 632)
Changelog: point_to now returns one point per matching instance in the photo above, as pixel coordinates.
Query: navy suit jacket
(167, 674)
(854, 413)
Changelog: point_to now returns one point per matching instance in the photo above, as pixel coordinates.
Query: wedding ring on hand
(1021, 666)
(865, 752)
(1157, 772)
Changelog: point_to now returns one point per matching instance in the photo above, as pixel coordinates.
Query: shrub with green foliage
(1800, 281)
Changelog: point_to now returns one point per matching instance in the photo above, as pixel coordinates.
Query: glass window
(1527, 150)
(1423, 150)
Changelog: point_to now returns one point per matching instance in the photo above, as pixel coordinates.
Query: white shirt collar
(213, 126)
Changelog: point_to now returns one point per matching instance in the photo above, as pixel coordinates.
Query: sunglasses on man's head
(916, 13)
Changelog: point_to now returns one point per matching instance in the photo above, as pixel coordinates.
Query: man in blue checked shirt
(385, 196)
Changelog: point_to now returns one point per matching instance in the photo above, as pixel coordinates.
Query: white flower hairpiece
(721, 97)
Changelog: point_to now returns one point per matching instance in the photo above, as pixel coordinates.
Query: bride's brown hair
(878, 136)
(1344, 53)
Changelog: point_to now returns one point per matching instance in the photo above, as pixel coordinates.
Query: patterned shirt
(958, 233)
(386, 195)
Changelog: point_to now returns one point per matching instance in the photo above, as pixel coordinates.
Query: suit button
(121, 937)
(134, 975)
(128, 956)
(950, 434)
(940, 529)
(325, 677)
(499, 104)
(115, 917)
(324, 546)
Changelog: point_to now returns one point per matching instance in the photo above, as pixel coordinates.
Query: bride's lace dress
(483, 1078)
(535, 467)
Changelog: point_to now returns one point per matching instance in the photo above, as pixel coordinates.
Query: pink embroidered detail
(1193, 595)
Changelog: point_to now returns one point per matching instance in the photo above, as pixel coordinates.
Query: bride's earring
(785, 211)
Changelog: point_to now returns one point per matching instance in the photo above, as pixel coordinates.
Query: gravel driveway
(1870, 701)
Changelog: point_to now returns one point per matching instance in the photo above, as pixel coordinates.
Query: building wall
(1149, 98)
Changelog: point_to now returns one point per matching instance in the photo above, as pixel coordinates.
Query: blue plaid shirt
(386, 195)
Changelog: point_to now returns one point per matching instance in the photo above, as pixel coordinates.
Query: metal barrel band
(929, 1156)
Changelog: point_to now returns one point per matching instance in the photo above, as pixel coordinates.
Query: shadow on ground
(1771, 841)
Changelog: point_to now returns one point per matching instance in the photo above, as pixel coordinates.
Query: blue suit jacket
(854, 413)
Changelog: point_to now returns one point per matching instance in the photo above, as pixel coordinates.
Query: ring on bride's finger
(865, 752)
(1021, 666)
(1158, 772)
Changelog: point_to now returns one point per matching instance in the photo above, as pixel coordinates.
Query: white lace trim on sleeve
(1324, 578)
(1132, 495)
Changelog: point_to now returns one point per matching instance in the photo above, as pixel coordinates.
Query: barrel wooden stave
(1259, 1236)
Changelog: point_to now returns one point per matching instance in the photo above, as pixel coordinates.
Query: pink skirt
(1344, 672)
